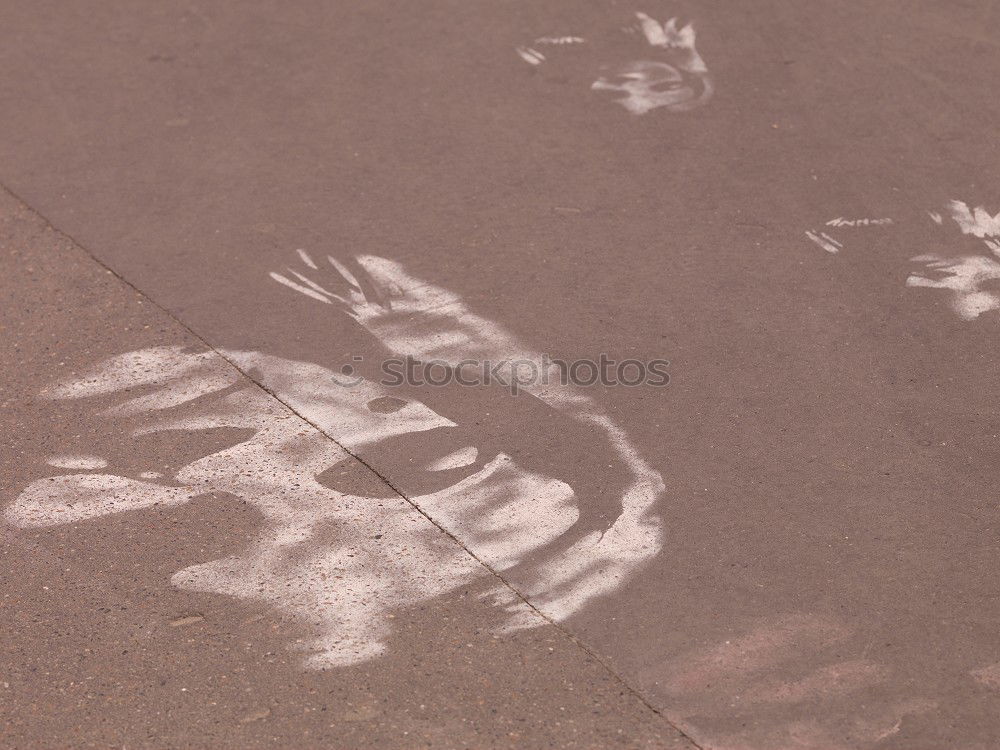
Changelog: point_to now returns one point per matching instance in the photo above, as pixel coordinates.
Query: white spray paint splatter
(678, 80)
(455, 460)
(825, 241)
(969, 279)
(963, 277)
(426, 322)
(342, 562)
(306, 259)
(679, 84)
(842, 222)
(530, 56)
(77, 497)
(79, 463)
(977, 221)
(560, 40)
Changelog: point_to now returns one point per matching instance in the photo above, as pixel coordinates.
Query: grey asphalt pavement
(226, 221)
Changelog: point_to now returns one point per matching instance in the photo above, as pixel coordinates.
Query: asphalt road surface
(303, 306)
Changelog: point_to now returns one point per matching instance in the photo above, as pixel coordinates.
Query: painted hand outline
(424, 321)
(681, 83)
(677, 79)
(964, 277)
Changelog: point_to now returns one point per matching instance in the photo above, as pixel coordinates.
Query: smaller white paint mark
(530, 56)
(299, 288)
(258, 715)
(667, 35)
(151, 475)
(842, 222)
(343, 271)
(78, 463)
(988, 676)
(313, 285)
(180, 622)
(306, 259)
(560, 40)
(825, 241)
(994, 246)
(458, 459)
(936, 217)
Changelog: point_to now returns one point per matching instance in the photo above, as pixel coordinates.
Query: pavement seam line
(246, 376)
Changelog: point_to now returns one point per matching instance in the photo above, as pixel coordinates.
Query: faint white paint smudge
(560, 40)
(461, 457)
(842, 222)
(77, 463)
(783, 684)
(530, 56)
(988, 676)
(825, 241)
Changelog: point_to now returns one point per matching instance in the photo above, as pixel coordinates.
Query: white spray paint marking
(340, 411)
(312, 284)
(964, 278)
(679, 83)
(977, 221)
(678, 80)
(825, 241)
(969, 279)
(306, 259)
(343, 270)
(842, 222)
(77, 463)
(530, 56)
(455, 460)
(77, 497)
(299, 288)
(341, 562)
(667, 35)
(560, 40)
(425, 322)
